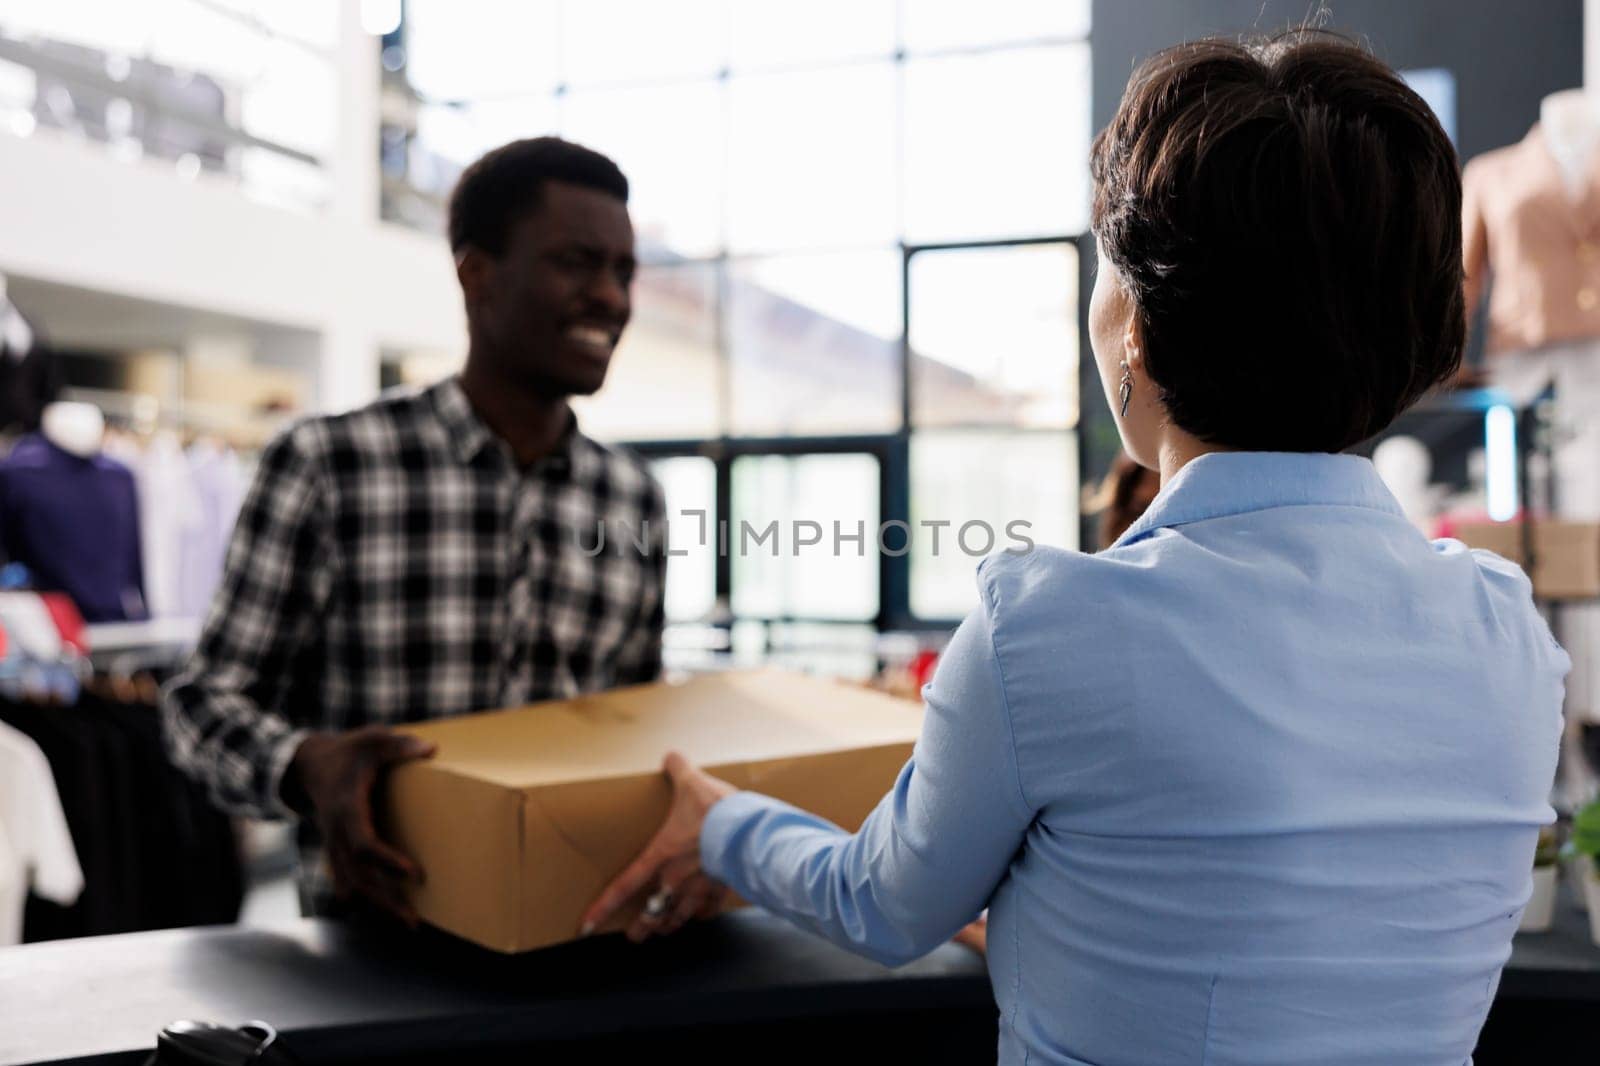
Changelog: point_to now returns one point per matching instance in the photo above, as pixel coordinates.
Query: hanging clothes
(219, 484)
(154, 853)
(30, 626)
(74, 523)
(188, 500)
(170, 514)
(36, 850)
(67, 620)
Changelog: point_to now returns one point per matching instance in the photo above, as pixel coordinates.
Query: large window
(242, 89)
(805, 527)
(860, 225)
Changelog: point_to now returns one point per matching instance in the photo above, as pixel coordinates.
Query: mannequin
(76, 428)
(1571, 123)
(70, 514)
(1532, 221)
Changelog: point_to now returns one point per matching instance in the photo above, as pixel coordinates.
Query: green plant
(1585, 839)
(1546, 852)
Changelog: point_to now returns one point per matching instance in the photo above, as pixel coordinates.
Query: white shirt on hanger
(36, 850)
(169, 512)
(219, 484)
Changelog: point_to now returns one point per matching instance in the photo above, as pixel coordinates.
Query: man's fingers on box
(374, 852)
(390, 896)
(398, 747)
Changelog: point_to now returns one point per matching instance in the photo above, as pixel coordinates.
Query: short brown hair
(1287, 216)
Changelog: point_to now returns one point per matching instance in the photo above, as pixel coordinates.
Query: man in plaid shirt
(434, 553)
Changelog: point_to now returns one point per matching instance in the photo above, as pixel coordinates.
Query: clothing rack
(246, 430)
(153, 851)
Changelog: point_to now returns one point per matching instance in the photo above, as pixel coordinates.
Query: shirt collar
(470, 436)
(1220, 484)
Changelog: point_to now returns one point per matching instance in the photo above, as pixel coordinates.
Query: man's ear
(475, 270)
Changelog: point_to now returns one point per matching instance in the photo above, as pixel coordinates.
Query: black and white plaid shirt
(394, 564)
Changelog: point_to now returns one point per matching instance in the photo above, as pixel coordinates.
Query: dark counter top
(341, 993)
(1561, 964)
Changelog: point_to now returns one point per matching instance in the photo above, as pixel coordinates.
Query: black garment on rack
(155, 854)
(75, 762)
(174, 825)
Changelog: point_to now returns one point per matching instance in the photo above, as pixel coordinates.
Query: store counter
(1549, 997)
(745, 987)
(740, 987)
(1561, 964)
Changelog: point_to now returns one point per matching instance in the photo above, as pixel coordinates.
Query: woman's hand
(670, 862)
(975, 935)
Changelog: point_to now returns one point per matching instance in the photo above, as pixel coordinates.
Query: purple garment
(219, 485)
(74, 523)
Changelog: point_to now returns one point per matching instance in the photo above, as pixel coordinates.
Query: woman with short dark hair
(1260, 783)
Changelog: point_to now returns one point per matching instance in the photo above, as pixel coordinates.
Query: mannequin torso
(1570, 120)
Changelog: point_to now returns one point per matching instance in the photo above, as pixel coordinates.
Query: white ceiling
(76, 318)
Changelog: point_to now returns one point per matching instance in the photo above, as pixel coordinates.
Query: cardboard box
(1566, 555)
(524, 815)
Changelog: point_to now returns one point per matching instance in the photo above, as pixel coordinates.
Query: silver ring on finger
(657, 906)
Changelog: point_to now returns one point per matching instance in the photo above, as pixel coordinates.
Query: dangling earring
(1126, 391)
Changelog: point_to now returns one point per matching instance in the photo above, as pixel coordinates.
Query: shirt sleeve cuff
(279, 755)
(719, 835)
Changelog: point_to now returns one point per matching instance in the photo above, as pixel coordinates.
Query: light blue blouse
(1259, 784)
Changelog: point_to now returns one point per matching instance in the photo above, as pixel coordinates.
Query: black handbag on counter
(189, 1043)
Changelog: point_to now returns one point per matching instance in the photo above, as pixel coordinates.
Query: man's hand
(670, 863)
(331, 779)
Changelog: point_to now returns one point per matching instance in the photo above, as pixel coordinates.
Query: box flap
(736, 717)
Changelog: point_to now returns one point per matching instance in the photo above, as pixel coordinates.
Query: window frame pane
(763, 307)
(689, 536)
(954, 559)
(893, 453)
(786, 545)
(954, 136)
(1075, 356)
